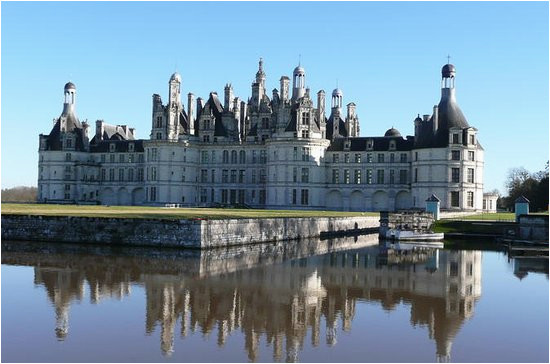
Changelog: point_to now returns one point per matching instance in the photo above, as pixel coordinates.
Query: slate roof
(359, 144)
(342, 131)
(120, 146)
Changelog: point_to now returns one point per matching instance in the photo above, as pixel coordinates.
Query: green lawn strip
(144, 212)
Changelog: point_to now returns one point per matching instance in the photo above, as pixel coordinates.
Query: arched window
(242, 157)
(225, 156)
(233, 156)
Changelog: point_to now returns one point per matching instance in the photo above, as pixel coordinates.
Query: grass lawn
(472, 227)
(495, 216)
(142, 212)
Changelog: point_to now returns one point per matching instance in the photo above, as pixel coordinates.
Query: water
(343, 300)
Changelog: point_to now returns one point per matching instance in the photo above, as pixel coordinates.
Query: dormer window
(370, 144)
(131, 147)
(347, 144)
(472, 139)
(112, 147)
(455, 138)
(392, 144)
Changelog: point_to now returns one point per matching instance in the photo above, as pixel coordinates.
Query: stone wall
(176, 233)
(416, 221)
(533, 227)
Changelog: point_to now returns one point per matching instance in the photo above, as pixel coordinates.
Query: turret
(321, 112)
(190, 112)
(228, 97)
(70, 98)
(337, 99)
(175, 107)
(260, 76)
(298, 83)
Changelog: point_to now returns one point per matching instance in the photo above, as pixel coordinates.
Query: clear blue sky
(386, 57)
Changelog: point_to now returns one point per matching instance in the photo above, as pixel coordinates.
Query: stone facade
(278, 151)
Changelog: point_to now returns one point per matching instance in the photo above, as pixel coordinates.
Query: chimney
(435, 119)
(228, 97)
(285, 82)
(99, 129)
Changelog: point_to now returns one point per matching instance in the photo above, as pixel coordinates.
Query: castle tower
(228, 97)
(285, 82)
(298, 83)
(352, 121)
(260, 76)
(174, 107)
(70, 98)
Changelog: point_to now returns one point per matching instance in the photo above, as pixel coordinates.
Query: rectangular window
(336, 158)
(103, 158)
(305, 175)
(403, 176)
(346, 158)
(131, 158)
(380, 158)
(295, 154)
(141, 158)
(294, 196)
(224, 196)
(455, 199)
(213, 176)
(153, 154)
(305, 118)
(225, 176)
(470, 175)
(262, 197)
(112, 158)
(470, 198)
(111, 174)
(159, 136)
(253, 176)
(380, 176)
(472, 139)
(233, 176)
(241, 196)
(471, 156)
(262, 176)
(153, 194)
(203, 195)
(130, 175)
(392, 157)
(305, 197)
(392, 176)
(140, 174)
(346, 176)
(455, 175)
(241, 175)
(455, 138)
(357, 157)
(204, 156)
(121, 174)
(305, 134)
(455, 155)
(357, 176)
(369, 176)
(416, 174)
(403, 158)
(263, 156)
(335, 176)
(213, 156)
(204, 175)
(305, 154)
(121, 158)
(153, 173)
(369, 157)
(68, 157)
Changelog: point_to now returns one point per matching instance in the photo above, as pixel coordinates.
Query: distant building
(278, 151)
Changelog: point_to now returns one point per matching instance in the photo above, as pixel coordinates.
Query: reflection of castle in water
(283, 300)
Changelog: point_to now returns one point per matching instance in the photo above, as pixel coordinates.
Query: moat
(337, 300)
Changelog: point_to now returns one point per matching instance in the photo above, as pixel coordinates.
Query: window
(335, 176)
(213, 176)
(295, 153)
(242, 157)
(153, 173)
(380, 158)
(305, 154)
(153, 154)
(233, 157)
(68, 157)
(263, 156)
(403, 158)
(130, 174)
(470, 175)
(69, 143)
(369, 176)
(253, 176)
(335, 158)
(112, 158)
(206, 138)
(159, 136)
(346, 176)
(392, 176)
(225, 156)
(305, 197)
(455, 155)
(305, 175)
(455, 199)
(121, 158)
(416, 174)
(159, 122)
(472, 139)
(103, 158)
(141, 158)
(470, 198)
(357, 176)
(233, 176)
(204, 156)
(241, 196)
(262, 197)
(203, 195)
(224, 196)
(305, 118)
(415, 156)
(213, 156)
(140, 175)
(369, 157)
(183, 174)
(241, 175)
(380, 176)
(346, 158)
(131, 158)
(111, 174)
(403, 176)
(204, 175)
(265, 123)
(262, 175)
(153, 193)
(305, 134)
(392, 145)
(455, 175)
(121, 174)
(471, 156)
(131, 147)
(455, 138)
(294, 174)
(294, 196)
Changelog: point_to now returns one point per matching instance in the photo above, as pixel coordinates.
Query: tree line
(534, 186)
(19, 194)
